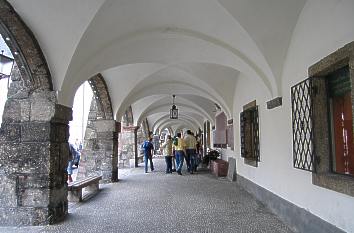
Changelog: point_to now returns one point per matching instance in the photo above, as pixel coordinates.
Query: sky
(81, 108)
(3, 82)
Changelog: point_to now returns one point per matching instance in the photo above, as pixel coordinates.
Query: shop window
(219, 133)
(230, 135)
(249, 126)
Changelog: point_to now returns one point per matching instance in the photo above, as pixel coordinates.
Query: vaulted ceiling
(147, 50)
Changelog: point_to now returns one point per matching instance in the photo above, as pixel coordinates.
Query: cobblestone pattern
(159, 202)
(100, 154)
(33, 159)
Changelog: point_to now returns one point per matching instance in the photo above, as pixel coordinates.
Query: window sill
(336, 182)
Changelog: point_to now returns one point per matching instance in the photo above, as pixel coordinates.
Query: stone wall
(33, 157)
(127, 146)
(33, 134)
(127, 139)
(130, 139)
(99, 156)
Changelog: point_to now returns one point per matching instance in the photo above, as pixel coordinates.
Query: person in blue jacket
(148, 152)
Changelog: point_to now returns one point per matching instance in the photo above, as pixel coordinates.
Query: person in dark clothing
(148, 152)
(72, 155)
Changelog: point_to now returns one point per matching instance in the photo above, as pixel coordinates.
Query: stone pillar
(128, 153)
(136, 147)
(33, 158)
(100, 153)
(205, 138)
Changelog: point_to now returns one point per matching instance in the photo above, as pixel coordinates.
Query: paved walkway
(159, 202)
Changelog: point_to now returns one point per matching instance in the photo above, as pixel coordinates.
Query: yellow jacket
(190, 142)
(167, 147)
(181, 145)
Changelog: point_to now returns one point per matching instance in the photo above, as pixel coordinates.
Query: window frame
(331, 129)
(324, 175)
(252, 109)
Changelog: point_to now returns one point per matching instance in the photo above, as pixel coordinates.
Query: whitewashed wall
(323, 27)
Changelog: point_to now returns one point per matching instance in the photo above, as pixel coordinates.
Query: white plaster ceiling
(149, 50)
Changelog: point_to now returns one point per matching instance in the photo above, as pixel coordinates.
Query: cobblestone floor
(159, 202)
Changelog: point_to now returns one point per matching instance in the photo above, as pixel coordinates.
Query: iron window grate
(302, 124)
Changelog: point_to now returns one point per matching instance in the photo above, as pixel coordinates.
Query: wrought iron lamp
(6, 64)
(173, 110)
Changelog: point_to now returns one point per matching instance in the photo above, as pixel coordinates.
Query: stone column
(100, 153)
(33, 158)
(128, 146)
(136, 146)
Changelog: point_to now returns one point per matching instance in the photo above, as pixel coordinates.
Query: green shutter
(339, 82)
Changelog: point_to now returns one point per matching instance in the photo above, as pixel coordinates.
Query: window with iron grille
(249, 126)
(302, 124)
(322, 118)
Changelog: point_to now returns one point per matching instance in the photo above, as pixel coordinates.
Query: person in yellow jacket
(191, 146)
(167, 152)
(179, 147)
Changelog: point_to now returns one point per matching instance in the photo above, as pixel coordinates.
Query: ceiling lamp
(5, 65)
(173, 110)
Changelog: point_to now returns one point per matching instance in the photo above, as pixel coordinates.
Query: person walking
(69, 169)
(167, 152)
(186, 155)
(179, 147)
(173, 161)
(191, 146)
(148, 152)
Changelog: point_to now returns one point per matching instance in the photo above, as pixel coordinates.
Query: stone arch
(34, 134)
(100, 154)
(100, 91)
(28, 55)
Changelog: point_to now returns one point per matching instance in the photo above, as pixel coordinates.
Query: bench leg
(75, 196)
(92, 187)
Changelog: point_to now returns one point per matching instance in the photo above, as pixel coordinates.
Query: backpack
(145, 144)
(175, 141)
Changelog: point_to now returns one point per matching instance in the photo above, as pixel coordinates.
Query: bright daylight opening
(81, 110)
(5, 68)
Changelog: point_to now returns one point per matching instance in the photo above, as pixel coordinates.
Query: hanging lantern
(173, 110)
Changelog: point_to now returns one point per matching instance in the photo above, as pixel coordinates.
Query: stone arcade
(266, 82)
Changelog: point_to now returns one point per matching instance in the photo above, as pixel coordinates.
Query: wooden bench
(75, 188)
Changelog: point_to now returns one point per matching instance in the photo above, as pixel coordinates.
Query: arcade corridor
(267, 83)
